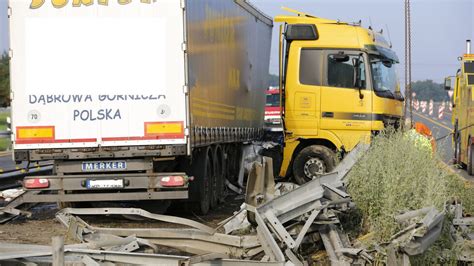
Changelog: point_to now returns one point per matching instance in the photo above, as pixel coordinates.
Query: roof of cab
(334, 33)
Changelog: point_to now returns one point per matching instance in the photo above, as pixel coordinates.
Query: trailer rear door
(97, 73)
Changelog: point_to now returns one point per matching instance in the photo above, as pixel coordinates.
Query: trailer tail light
(35, 183)
(37, 134)
(173, 181)
(164, 129)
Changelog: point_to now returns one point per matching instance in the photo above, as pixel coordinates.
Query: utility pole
(408, 91)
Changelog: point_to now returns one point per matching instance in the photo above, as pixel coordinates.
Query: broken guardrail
(283, 228)
(284, 224)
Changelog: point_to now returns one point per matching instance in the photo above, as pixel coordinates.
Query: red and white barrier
(430, 111)
(441, 110)
(423, 105)
(416, 105)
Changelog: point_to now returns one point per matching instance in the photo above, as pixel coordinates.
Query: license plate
(105, 184)
(104, 166)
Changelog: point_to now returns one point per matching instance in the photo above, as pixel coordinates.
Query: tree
(4, 80)
(428, 90)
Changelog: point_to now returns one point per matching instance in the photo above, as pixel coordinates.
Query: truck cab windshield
(384, 77)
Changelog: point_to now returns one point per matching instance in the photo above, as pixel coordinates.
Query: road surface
(441, 128)
(6, 162)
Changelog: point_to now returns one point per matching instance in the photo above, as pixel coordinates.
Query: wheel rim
(314, 167)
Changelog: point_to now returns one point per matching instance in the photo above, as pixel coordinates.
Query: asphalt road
(6, 162)
(441, 129)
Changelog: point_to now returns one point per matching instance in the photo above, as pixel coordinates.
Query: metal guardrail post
(58, 251)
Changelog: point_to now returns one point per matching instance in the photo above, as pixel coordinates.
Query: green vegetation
(398, 175)
(4, 80)
(4, 97)
(4, 142)
(428, 90)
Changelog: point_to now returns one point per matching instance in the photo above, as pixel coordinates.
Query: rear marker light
(36, 183)
(173, 181)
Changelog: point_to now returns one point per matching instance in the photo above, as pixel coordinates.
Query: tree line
(429, 90)
(4, 80)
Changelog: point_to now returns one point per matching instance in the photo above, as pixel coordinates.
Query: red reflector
(172, 181)
(36, 183)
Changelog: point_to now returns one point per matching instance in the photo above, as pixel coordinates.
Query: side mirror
(447, 83)
(387, 63)
(356, 62)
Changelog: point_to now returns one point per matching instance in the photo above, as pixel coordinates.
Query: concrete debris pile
(279, 224)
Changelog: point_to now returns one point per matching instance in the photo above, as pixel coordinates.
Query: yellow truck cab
(338, 87)
(463, 111)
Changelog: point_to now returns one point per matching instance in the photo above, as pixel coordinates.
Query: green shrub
(396, 175)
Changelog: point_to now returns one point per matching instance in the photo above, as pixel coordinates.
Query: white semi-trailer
(136, 100)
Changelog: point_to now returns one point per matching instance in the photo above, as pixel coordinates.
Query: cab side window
(343, 71)
(311, 65)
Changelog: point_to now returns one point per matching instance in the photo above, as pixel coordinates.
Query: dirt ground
(42, 226)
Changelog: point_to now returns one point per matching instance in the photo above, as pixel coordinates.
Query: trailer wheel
(213, 178)
(470, 158)
(311, 162)
(202, 170)
(220, 173)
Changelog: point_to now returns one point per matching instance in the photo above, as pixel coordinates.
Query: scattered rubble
(10, 194)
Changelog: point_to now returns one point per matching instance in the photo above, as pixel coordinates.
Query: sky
(439, 28)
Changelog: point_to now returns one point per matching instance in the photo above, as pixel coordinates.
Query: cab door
(302, 104)
(346, 101)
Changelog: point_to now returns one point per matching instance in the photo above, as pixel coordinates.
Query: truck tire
(213, 202)
(201, 186)
(220, 171)
(312, 162)
(470, 158)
